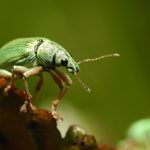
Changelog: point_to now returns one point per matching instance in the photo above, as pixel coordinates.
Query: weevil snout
(73, 67)
(72, 70)
(65, 59)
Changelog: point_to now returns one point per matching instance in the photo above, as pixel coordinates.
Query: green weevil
(25, 57)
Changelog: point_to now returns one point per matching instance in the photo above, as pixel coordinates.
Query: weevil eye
(64, 62)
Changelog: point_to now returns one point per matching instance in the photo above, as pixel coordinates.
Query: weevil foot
(8, 88)
(24, 107)
(53, 110)
(57, 116)
(32, 106)
(29, 96)
(55, 103)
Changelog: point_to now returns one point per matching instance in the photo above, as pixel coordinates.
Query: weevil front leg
(64, 82)
(67, 80)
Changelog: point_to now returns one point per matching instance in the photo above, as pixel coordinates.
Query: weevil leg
(9, 76)
(60, 84)
(31, 72)
(15, 70)
(67, 80)
(38, 86)
(64, 77)
(64, 82)
(25, 72)
(5, 74)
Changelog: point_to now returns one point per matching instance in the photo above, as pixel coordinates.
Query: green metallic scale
(27, 57)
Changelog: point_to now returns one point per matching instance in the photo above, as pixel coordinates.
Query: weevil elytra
(25, 57)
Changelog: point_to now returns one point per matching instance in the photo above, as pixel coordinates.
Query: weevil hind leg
(9, 76)
(26, 72)
(21, 70)
(27, 88)
(31, 72)
(5, 75)
(64, 82)
(38, 86)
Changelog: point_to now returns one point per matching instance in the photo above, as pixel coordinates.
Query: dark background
(91, 28)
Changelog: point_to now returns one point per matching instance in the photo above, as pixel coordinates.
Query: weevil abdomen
(17, 52)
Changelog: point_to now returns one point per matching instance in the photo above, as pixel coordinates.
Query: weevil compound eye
(64, 61)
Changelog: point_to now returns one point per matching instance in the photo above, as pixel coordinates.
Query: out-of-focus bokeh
(120, 86)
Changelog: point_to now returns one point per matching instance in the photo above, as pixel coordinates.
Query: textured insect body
(36, 51)
(25, 57)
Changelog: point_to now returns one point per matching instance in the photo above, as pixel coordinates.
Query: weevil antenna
(83, 84)
(98, 58)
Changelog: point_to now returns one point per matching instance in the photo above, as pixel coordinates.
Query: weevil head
(63, 58)
(52, 55)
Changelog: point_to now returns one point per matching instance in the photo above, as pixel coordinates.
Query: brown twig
(33, 129)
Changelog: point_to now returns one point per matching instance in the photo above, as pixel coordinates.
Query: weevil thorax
(52, 55)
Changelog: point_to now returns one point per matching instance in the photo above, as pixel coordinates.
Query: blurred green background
(91, 28)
